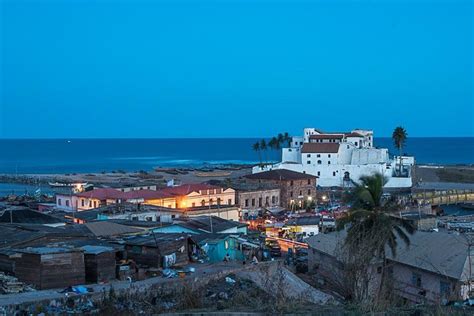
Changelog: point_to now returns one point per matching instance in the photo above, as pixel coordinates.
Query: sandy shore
(424, 176)
(157, 176)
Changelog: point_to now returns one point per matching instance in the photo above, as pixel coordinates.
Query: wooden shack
(50, 267)
(159, 250)
(99, 263)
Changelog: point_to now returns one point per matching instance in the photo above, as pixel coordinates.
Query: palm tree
(287, 139)
(263, 147)
(280, 139)
(372, 224)
(256, 147)
(399, 137)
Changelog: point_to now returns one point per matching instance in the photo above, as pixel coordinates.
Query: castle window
(246, 202)
(319, 162)
(318, 155)
(334, 173)
(309, 181)
(329, 155)
(319, 173)
(291, 193)
(291, 182)
(329, 162)
(308, 155)
(308, 162)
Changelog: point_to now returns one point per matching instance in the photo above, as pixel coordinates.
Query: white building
(340, 159)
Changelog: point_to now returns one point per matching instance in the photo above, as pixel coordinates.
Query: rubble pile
(10, 285)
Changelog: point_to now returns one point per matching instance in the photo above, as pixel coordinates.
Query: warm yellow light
(309, 198)
(324, 197)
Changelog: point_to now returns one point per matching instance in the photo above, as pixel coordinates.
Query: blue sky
(73, 68)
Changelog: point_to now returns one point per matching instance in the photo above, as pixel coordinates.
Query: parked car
(274, 247)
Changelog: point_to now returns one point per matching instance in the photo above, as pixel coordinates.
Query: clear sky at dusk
(234, 68)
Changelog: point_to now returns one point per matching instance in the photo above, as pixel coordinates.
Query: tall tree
(263, 148)
(280, 139)
(399, 137)
(373, 226)
(287, 139)
(256, 148)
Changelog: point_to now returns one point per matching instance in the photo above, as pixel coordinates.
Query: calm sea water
(96, 155)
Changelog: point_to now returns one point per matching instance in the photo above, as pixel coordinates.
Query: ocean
(97, 155)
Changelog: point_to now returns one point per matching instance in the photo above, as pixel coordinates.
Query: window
(309, 181)
(308, 155)
(193, 204)
(148, 218)
(67, 202)
(260, 202)
(329, 162)
(301, 193)
(308, 162)
(203, 202)
(309, 192)
(318, 155)
(319, 173)
(267, 201)
(82, 202)
(218, 201)
(356, 143)
(291, 182)
(273, 199)
(416, 279)
(291, 193)
(95, 204)
(253, 202)
(173, 216)
(229, 202)
(329, 155)
(211, 201)
(246, 202)
(90, 203)
(444, 289)
(319, 162)
(334, 173)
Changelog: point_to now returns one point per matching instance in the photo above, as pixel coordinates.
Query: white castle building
(340, 159)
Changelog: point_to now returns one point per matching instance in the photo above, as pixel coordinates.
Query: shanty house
(50, 267)
(99, 263)
(159, 250)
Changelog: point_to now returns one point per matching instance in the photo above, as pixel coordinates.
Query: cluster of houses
(118, 233)
(101, 234)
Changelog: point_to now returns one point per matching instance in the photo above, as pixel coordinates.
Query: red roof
(353, 134)
(327, 136)
(146, 195)
(102, 194)
(320, 148)
(185, 189)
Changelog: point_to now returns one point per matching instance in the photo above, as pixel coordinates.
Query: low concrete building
(304, 226)
(437, 266)
(297, 190)
(252, 198)
(421, 221)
